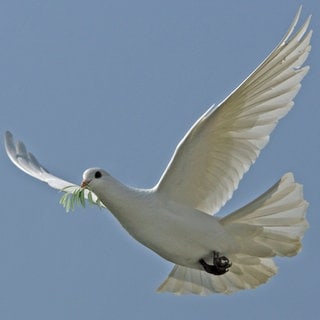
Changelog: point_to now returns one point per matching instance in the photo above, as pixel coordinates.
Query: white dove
(175, 218)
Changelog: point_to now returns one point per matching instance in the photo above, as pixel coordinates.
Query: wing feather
(213, 156)
(27, 162)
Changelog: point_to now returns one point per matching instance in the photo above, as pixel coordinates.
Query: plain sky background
(116, 84)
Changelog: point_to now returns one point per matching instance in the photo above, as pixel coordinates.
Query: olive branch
(70, 200)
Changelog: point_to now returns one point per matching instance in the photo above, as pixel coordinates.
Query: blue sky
(116, 84)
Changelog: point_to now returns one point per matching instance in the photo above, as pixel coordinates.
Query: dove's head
(93, 177)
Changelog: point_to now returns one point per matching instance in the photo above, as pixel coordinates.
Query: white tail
(271, 225)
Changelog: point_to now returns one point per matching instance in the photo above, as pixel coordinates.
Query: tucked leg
(221, 264)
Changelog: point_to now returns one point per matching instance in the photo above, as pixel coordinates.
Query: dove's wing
(213, 156)
(28, 163)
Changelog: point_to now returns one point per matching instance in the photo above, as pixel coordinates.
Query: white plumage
(271, 225)
(175, 218)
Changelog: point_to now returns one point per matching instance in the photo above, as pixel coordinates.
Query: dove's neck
(123, 201)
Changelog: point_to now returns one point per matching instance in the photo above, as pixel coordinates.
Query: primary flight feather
(175, 218)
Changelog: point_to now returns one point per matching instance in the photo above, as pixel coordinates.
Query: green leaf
(81, 198)
(90, 198)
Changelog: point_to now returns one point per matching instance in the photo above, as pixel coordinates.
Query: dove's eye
(98, 175)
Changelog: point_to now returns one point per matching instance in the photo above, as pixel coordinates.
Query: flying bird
(176, 218)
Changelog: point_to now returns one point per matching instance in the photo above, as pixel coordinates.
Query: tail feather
(278, 217)
(273, 224)
(245, 273)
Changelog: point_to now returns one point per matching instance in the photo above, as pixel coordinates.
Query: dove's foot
(221, 264)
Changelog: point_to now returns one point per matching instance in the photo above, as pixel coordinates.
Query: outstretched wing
(211, 159)
(27, 162)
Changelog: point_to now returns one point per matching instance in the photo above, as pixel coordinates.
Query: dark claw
(221, 264)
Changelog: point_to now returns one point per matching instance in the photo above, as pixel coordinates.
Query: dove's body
(178, 233)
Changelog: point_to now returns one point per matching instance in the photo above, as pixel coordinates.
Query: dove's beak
(84, 183)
